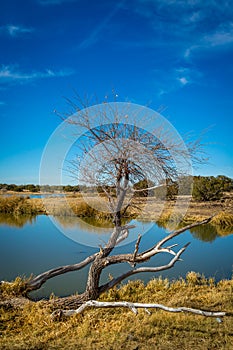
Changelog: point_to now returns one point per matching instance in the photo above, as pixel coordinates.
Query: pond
(33, 195)
(34, 245)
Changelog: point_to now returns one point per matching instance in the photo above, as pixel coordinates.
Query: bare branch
(173, 234)
(37, 281)
(129, 258)
(124, 234)
(147, 188)
(110, 199)
(146, 255)
(134, 306)
(137, 247)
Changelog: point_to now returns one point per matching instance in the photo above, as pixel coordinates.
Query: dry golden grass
(152, 209)
(165, 213)
(223, 219)
(17, 205)
(33, 328)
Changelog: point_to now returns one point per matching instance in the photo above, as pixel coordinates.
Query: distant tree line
(203, 188)
(36, 188)
(19, 188)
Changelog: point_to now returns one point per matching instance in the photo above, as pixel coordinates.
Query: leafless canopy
(120, 147)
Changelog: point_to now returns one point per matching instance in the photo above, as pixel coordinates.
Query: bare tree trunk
(92, 287)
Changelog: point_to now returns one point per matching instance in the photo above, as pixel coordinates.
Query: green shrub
(207, 188)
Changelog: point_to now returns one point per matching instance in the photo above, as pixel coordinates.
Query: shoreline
(147, 209)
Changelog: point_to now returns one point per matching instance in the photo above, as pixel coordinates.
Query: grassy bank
(152, 209)
(17, 205)
(222, 222)
(32, 327)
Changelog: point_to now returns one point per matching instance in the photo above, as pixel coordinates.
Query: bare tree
(115, 152)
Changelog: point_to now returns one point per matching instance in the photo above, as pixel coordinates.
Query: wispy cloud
(183, 80)
(189, 28)
(197, 23)
(9, 74)
(185, 75)
(221, 37)
(53, 2)
(14, 30)
(2, 103)
(174, 79)
(95, 35)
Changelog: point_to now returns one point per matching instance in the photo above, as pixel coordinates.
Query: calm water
(36, 195)
(35, 245)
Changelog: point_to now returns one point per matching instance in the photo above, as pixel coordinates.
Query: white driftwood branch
(134, 306)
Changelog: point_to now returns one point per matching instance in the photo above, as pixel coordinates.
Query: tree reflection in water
(16, 220)
(209, 233)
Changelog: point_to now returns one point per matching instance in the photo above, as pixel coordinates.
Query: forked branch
(120, 278)
(136, 258)
(132, 259)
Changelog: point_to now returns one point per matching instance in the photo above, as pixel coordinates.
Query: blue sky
(172, 53)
